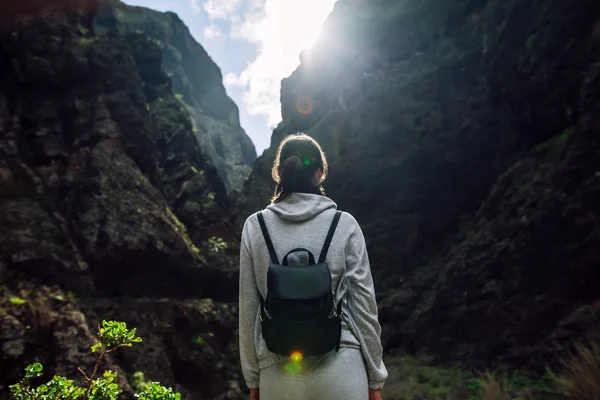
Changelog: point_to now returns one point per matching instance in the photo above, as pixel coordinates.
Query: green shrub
(113, 335)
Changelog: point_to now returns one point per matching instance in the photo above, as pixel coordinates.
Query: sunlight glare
(282, 30)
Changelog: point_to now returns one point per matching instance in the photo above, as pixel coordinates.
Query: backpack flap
(298, 282)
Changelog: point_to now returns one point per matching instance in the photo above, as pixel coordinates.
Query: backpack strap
(268, 241)
(332, 228)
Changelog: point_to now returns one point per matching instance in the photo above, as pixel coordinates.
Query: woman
(299, 216)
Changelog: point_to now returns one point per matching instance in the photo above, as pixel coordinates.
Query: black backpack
(299, 313)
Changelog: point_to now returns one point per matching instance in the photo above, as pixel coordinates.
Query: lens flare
(296, 356)
(304, 105)
(293, 368)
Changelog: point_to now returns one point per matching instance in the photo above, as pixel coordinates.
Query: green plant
(86, 41)
(180, 228)
(154, 391)
(17, 301)
(492, 387)
(179, 96)
(210, 196)
(83, 30)
(557, 142)
(113, 335)
(198, 341)
(216, 245)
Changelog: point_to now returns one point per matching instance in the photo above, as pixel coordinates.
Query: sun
(298, 22)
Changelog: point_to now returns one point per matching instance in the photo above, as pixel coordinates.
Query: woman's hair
(298, 158)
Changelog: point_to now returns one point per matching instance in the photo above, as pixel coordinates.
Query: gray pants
(333, 376)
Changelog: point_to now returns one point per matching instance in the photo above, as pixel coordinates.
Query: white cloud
(281, 29)
(212, 31)
(231, 79)
(194, 5)
(221, 9)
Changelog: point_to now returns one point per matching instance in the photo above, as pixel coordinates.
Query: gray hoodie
(302, 220)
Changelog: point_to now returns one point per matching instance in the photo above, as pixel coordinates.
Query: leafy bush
(113, 335)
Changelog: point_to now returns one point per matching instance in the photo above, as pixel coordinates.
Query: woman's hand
(373, 394)
(254, 394)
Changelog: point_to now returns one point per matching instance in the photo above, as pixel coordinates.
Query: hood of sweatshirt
(301, 206)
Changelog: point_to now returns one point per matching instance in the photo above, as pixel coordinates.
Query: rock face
(109, 209)
(197, 82)
(461, 134)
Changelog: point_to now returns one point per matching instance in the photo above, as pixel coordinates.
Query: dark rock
(197, 81)
(107, 197)
(421, 107)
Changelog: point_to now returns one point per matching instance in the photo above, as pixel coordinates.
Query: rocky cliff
(109, 208)
(463, 136)
(197, 82)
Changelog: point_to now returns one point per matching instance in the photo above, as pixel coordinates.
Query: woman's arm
(362, 307)
(248, 303)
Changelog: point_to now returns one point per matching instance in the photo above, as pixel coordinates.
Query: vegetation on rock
(95, 386)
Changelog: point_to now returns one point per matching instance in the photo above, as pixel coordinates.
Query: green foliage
(196, 170)
(105, 387)
(138, 381)
(216, 245)
(422, 381)
(210, 196)
(112, 335)
(17, 301)
(86, 41)
(557, 142)
(59, 388)
(33, 371)
(179, 96)
(57, 296)
(180, 228)
(199, 340)
(159, 43)
(154, 391)
(83, 30)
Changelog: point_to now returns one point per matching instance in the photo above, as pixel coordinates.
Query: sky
(256, 43)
